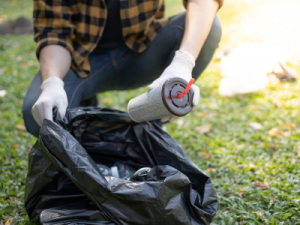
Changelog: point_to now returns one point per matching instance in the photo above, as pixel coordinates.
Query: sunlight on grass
(272, 21)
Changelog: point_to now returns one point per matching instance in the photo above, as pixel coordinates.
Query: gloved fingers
(164, 119)
(172, 118)
(62, 108)
(169, 118)
(196, 98)
(38, 112)
(159, 81)
(48, 114)
(154, 84)
(36, 115)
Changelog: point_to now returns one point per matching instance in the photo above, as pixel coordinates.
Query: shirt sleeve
(219, 1)
(53, 25)
(161, 13)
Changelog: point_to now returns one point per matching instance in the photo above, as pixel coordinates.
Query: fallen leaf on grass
(16, 146)
(259, 213)
(23, 64)
(241, 192)
(204, 129)
(286, 129)
(9, 221)
(286, 134)
(291, 125)
(15, 73)
(287, 126)
(202, 114)
(263, 185)
(274, 132)
(204, 155)
(274, 200)
(20, 126)
(256, 126)
(108, 100)
(271, 145)
(277, 103)
(210, 170)
(13, 198)
(3, 93)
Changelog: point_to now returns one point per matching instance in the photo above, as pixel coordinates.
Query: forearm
(55, 61)
(199, 18)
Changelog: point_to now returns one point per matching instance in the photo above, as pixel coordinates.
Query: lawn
(255, 172)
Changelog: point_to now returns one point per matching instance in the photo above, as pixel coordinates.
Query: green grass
(12, 9)
(233, 154)
(15, 143)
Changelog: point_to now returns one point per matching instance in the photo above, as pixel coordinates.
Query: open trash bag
(81, 172)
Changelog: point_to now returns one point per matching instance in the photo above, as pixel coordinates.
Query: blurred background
(249, 143)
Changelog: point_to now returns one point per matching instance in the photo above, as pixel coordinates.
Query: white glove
(181, 66)
(53, 95)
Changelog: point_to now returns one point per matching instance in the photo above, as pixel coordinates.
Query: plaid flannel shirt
(78, 26)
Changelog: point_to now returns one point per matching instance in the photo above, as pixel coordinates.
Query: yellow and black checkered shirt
(78, 26)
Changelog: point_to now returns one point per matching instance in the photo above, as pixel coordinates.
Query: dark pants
(123, 69)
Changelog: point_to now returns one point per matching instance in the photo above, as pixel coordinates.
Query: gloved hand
(181, 66)
(53, 95)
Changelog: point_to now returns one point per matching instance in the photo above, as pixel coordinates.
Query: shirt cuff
(219, 1)
(53, 39)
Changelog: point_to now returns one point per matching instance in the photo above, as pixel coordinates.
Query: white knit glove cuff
(52, 81)
(182, 55)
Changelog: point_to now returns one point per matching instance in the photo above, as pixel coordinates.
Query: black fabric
(64, 184)
(112, 35)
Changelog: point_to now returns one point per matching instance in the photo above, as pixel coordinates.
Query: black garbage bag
(69, 179)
